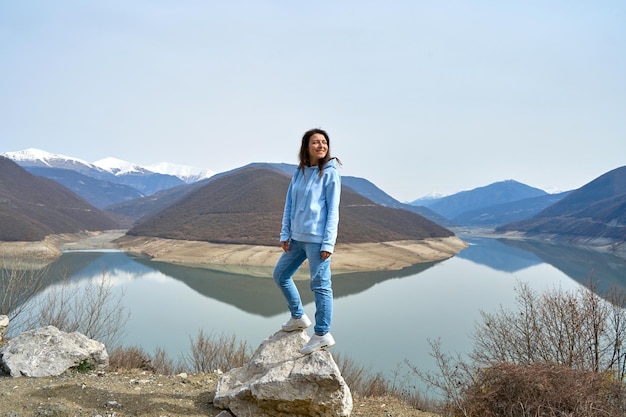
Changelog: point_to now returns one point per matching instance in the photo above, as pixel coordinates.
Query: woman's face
(318, 148)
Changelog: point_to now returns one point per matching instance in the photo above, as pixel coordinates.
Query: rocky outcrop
(279, 382)
(47, 351)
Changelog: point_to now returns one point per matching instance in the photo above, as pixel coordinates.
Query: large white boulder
(47, 351)
(279, 381)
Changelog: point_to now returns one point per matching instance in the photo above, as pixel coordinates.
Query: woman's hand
(285, 246)
(325, 255)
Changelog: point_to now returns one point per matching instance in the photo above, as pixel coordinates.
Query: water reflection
(251, 294)
(169, 303)
(261, 296)
(497, 255)
(88, 265)
(578, 263)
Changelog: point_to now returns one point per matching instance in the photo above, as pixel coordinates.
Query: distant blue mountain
(101, 193)
(497, 193)
(149, 182)
(499, 214)
(593, 214)
(102, 188)
(492, 205)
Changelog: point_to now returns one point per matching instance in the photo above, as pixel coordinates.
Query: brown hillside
(246, 207)
(33, 207)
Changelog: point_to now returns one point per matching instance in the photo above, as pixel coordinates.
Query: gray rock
(279, 382)
(47, 351)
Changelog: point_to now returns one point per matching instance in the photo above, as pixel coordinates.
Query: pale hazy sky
(417, 96)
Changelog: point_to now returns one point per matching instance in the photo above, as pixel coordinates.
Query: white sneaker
(297, 324)
(317, 343)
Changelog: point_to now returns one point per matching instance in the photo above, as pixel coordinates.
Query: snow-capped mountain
(184, 172)
(113, 178)
(428, 198)
(32, 157)
(119, 167)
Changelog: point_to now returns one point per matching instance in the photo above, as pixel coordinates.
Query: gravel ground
(139, 393)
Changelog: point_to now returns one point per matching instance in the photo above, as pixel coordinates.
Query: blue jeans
(321, 285)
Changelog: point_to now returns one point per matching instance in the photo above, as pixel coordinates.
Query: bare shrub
(376, 386)
(557, 338)
(454, 374)
(20, 282)
(367, 384)
(360, 379)
(577, 329)
(89, 308)
(354, 375)
(211, 353)
(164, 365)
(130, 358)
(541, 390)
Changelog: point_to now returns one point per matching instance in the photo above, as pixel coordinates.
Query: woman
(309, 231)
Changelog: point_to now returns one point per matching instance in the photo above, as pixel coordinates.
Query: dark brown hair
(304, 150)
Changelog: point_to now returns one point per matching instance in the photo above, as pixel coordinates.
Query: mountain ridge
(595, 214)
(112, 165)
(245, 207)
(491, 206)
(154, 190)
(495, 193)
(109, 171)
(33, 207)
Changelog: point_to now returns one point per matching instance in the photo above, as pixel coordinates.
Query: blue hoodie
(312, 206)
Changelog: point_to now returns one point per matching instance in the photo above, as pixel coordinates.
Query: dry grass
(215, 353)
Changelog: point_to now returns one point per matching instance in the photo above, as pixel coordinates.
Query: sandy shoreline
(248, 259)
(260, 260)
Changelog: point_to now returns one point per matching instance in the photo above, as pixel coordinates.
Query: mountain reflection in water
(260, 295)
(579, 263)
(169, 303)
(583, 265)
(252, 294)
(494, 254)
